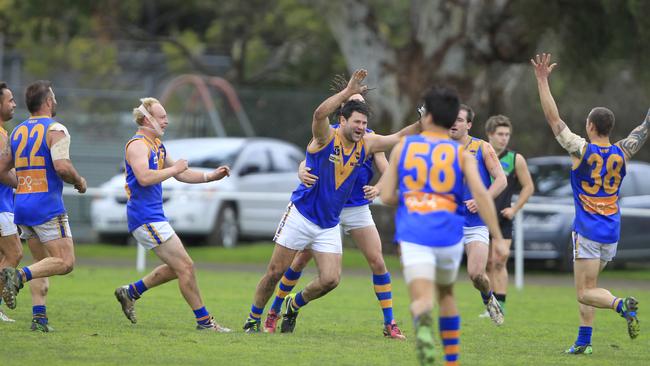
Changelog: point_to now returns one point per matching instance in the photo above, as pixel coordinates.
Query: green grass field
(343, 328)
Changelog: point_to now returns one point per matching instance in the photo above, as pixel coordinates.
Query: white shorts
(439, 264)
(153, 234)
(476, 233)
(297, 233)
(584, 248)
(56, 228)
(7, 226)
(356, 218)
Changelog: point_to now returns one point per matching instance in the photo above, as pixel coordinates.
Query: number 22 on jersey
(431, 178)
(30, 170)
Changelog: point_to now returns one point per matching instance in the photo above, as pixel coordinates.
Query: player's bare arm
(381, 143)
(305, 176)
(485, 202)
(59, 142)
(388, 180)
(137, 155)
(493, 165)
(320, 126)
(193, 177)
(7, 174)
(372, 192)
(633, 143)
(527, 187)
(571, 142)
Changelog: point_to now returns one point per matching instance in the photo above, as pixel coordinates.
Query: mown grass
(343, 328)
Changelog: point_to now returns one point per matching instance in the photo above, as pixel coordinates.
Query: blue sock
(202, 316)
(450, 335)
(298, 301)
(27, 273)
(383, 291)
(584, 336)
(486, 297)
(287, 284)
(39, 312)
(256, 313)
(136, 289)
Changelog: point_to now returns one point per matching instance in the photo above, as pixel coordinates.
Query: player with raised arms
(596, 175)
(426, 180)
(312, 218)
(356, 220)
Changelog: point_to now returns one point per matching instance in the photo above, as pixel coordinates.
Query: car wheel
(226, 228)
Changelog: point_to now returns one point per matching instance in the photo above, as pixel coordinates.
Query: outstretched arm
(320, 126)
(194, 176)
(633, 143)
(571, 142)
(376, 143)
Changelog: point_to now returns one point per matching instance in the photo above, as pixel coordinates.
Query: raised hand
(354, 85)
(542, 65)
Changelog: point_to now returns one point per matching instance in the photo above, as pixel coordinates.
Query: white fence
(518, 221)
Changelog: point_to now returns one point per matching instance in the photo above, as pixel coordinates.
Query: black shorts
(506, 227)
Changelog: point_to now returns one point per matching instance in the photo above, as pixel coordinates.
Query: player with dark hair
(596, 175)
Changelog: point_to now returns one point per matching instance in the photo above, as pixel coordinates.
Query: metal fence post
(519, 250)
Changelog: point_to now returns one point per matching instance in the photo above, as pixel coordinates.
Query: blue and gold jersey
(596, 182)
(145, 204)
(430, 182)
(6, 192)
(475, 147)
(363, 179)
(337, 172)
(39, 195)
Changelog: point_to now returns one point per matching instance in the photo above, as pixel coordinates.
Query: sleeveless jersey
(596, 182)
(145, 204)
(363, 179)
(39, 195)
(6, 192)
(475, 147)
(503, 200)
(337, 172)
(430, 182)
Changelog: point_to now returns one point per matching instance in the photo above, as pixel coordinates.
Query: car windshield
(205, 153)
(551, 179)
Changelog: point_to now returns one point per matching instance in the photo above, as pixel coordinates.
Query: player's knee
(274, 272)
(67, 267)
(377, 265)
(501, 255)
(14, 258)
(421, 305)
(330, 282)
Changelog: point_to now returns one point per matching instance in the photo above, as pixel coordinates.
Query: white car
(266, 168)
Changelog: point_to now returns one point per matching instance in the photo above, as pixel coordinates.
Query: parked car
(548, 235)
(257, 165)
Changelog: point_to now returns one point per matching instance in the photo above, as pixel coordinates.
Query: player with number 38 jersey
(596, 175)
(596, 181)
